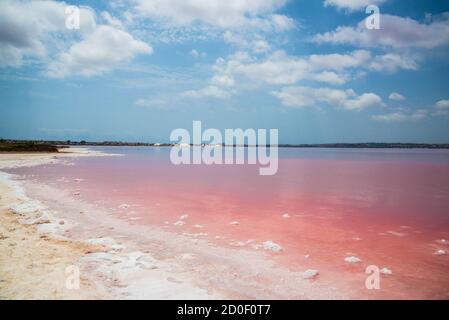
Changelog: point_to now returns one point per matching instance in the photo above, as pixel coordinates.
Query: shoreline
(37, 249)
(121, 260)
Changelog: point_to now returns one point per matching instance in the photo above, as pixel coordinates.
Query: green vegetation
(8, 146)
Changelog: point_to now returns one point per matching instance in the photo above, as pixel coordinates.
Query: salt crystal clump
(352, 259)
(27, 207)
(285, 216)
(310, 274)
(234, 223)
(270, 245)
(443, 241)
(440, 252)
(124, 206)
(183, 217)
(198, 226)
(386, 271)
(179, 223)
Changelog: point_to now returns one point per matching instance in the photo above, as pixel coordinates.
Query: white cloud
(279, 68)
(300, 97)
(223, 81)
(352, 4)
(207, 92)
(100, 52)
(29, 28)
(197, 54)
(37, 30)
(395, 32)
(112, 20)
(401, 116)
(441, 108)
(154, 103)
(396, 96)
(218, 13)
(391, 62)
(390, 117)
(442, 105)
(256, 45)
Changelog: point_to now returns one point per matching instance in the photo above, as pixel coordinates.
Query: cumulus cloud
(279, 68)
(223, 14)
(392, 62)
(396, 32)
(396, 96)
(37, 29)
(352, 4)
(101, 51)
(301, 97)
(28, 28)
(207, 92)
(442, 105)
(441, 108)
(401, 116)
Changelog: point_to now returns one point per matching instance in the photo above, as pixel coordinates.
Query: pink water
(387, 207)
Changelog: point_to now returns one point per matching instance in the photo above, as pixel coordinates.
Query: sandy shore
(45, 233)
(40, 258)
(33, 264)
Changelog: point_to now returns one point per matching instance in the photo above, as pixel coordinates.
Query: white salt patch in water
(443, 241)
(183, 217)
(307, 256)
(397, 234)
(78, 180)
(196, 235)
(234, 223)
(179, 223)
(237, 244)
(272, 246)
(285, 216)
(352, 259)
(386, 271)
(440, 252)
(123, 206)
(198, 226)
(310, 274)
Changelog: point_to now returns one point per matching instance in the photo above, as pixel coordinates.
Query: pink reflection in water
(387, 207)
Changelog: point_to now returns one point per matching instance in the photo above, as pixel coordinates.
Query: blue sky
(136, 70)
